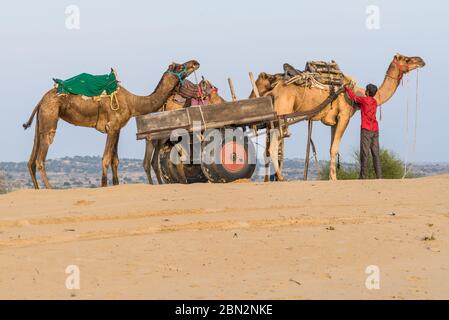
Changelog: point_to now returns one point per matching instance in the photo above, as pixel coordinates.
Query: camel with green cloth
(101, 104)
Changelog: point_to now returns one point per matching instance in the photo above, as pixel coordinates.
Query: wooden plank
(162, 134)
(215, 116)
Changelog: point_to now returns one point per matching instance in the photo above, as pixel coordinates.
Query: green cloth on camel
(88, 85)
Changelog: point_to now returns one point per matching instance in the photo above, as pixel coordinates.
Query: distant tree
(392, 168)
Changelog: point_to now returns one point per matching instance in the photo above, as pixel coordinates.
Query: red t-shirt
(368, 107)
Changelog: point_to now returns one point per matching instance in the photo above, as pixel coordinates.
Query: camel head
(184, 70)
(265, 82)
(402, 64)
(206, 87)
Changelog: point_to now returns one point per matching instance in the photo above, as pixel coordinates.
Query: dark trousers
(369, 141)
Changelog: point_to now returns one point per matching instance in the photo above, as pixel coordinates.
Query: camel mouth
(196, 66)
(418, 62)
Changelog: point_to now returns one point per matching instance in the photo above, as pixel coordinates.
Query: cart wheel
(194, 174)
(235, 159)
(170, 172)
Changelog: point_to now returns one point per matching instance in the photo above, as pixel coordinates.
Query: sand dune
(293, 240)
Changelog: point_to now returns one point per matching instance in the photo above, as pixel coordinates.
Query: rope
(415, 129)
(407, 116)
(114, 97)
(202, 118)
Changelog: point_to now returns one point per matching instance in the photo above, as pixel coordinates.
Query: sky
(229, 38)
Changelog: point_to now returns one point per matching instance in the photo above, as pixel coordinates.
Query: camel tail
(28, 124)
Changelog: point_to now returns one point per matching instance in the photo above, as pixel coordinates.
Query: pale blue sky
(229, 38)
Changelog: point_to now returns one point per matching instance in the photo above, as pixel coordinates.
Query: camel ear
(172, 66)
(263, 75)
(397, 56)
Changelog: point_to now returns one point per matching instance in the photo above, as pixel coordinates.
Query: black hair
(371, 89)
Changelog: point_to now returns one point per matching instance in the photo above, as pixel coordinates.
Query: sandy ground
(292, 240)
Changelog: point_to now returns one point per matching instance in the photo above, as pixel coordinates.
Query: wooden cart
(234, 159)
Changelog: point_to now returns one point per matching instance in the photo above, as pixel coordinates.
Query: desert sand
(291, 240)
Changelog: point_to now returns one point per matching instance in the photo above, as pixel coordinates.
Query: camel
(291, 98)
(209, 95)
(98, 113)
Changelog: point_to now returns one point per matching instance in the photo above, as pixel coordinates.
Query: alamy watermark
(372, 21)
(73, 280)
(72, 19)
(372, 282)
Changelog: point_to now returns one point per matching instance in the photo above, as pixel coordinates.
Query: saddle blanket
(88, 85)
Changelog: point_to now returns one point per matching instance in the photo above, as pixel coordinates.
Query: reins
(332, 96)
(415, 130)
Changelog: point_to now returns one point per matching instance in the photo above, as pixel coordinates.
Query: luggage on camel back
(319, 74)
(88, 85)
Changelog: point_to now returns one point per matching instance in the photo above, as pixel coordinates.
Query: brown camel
(291, 98)
(210, 94)
(98, 113)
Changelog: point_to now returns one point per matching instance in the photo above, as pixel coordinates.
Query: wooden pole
(316, 160)
(231, 87)
(253, 83)
(256, 92)
(309, 138)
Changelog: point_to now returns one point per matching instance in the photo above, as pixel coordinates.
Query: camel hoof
(104, 181)
(115, 182)
(280, 178)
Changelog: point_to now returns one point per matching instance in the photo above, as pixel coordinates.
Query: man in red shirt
(369, 136)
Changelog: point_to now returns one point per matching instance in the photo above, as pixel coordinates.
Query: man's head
(371, 90)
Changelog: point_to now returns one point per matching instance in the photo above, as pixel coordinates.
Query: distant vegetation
(3, 185)
(392, 168)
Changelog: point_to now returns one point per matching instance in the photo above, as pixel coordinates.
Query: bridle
(180, 73)
(403, 68)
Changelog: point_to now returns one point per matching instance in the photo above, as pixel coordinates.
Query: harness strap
(332, 96)
(180, 73)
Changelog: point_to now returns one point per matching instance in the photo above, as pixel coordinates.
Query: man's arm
(352, 95)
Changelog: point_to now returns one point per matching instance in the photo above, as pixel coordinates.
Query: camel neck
(146, 104)
(389, 85)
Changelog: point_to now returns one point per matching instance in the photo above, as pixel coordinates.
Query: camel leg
(267, 157)
(337, 133)
(32, 161)
(274, 153)
(107, 156)
(46, 139)
(155, 160)
(115, 162)
(48, 122)
(149, 149)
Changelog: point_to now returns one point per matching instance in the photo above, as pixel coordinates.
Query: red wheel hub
(233, 156)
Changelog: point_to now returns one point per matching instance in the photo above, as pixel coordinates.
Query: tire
(194, 173)
(170, 173)
(234, 160)
(168, 170)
